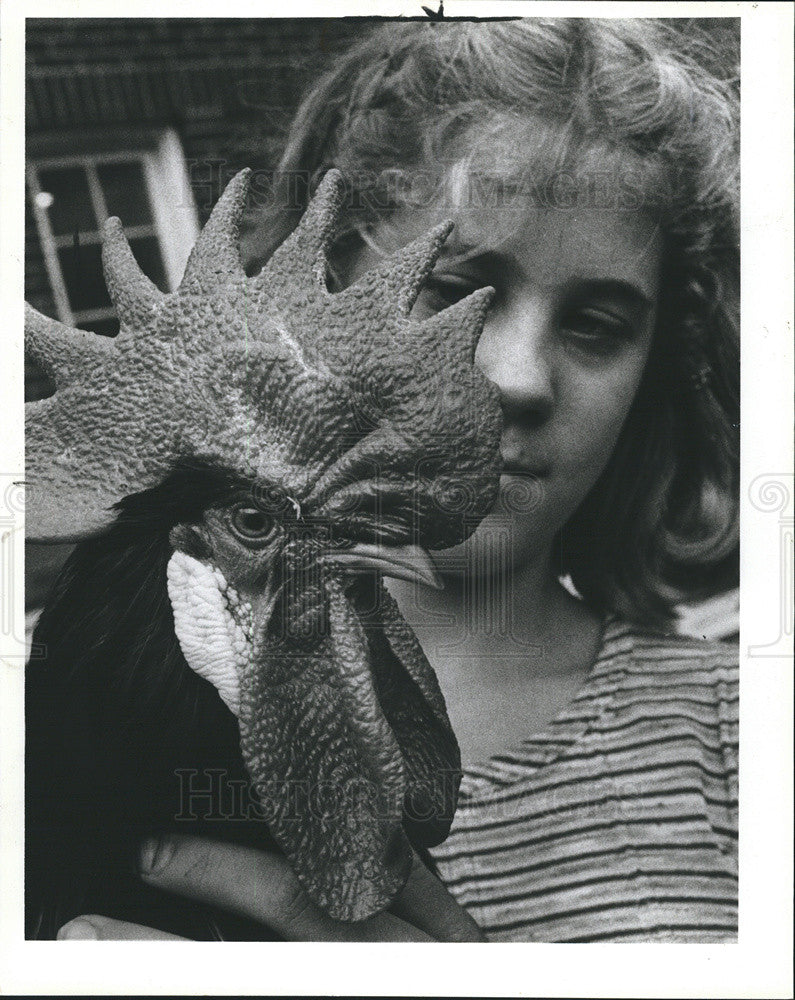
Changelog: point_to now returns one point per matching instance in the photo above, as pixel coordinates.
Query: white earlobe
(213, 642)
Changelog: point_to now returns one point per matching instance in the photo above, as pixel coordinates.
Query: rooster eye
(250, 524)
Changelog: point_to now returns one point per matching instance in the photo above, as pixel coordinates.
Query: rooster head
(349, 439)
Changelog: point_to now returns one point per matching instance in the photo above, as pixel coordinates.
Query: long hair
(662, 521)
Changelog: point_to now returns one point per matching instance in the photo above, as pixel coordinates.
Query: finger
(90, 927)
(258, 885)
(426, 903)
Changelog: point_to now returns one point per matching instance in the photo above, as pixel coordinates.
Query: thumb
(93, 927)
(256, 884)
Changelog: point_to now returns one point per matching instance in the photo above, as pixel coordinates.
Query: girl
(590, 168)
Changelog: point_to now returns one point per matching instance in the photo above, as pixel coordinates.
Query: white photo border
(759, 964)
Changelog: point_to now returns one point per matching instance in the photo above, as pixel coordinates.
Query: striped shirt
(619, 823)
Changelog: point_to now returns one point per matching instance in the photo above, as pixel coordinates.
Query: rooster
(240, 467)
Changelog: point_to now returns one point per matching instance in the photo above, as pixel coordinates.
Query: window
(72, 195)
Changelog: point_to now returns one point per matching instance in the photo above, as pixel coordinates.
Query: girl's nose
(514, 351)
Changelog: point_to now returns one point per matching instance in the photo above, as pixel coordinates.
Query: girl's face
(565, 341)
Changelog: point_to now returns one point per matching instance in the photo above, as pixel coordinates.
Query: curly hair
(413, 99)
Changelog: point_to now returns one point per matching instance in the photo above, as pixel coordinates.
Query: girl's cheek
(602, 408)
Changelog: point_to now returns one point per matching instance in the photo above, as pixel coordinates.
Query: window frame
(175, 220)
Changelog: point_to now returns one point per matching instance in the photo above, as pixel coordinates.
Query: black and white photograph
(384, 513)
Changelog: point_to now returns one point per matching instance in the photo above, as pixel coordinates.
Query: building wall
(228, 87)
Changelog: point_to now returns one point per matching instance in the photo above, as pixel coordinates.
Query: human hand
(262, 886)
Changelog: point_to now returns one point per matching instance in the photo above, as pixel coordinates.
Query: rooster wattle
(240, 465)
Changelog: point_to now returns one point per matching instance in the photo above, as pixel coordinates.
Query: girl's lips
(520, 462)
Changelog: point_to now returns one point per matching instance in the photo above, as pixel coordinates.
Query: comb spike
(459, 326)
(397, 281)
(64, 502)
(304, 251)
(132, 293)
(216, 255)
(63, 352)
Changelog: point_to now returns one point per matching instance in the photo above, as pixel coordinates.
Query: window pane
(71, 209)
(125, 192)
(82, 272)
(147, 253)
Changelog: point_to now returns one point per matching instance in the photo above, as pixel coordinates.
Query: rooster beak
(404, 562)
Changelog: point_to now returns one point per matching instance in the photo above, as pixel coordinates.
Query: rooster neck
(113, 712)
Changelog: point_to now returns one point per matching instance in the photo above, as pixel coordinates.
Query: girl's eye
(443, 290)
(250, 524)
(598, 330)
